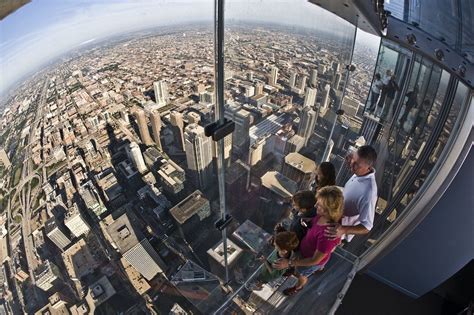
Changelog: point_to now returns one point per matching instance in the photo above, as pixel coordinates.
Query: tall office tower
(307, 123)
(303, 82)
(240, 138)
(371, 129)
(310, 97)
(161, 93)
(156, 127)
(250, 76)
(47, 275)
(322, 68)
(198, 150)
(92, 200)
(314, 78)
(56, 233)
(274, 76)
(337, 81)
(227, 149)
(258, 88)
(300, 169)
(206, 97)
(336, 66)
(325, 101)
(143, 127)
(135, 154)
(124, 117)
(177, 123)
(75, 222)
(4, 158)
(292, 79)
(134, 246)
(294, 144)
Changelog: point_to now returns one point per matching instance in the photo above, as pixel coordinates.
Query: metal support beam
(219, 92)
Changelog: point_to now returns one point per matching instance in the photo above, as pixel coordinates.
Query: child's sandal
(291, 291)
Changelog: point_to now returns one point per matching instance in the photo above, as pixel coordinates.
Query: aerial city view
(108, 190)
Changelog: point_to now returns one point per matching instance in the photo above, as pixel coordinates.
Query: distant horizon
(31, 40)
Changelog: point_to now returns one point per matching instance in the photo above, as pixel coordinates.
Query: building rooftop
(280, 184)
(188, 207)
(78, 260)
(123, 233)
(300, 162)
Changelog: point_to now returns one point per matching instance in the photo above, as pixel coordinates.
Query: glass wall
(409, 135)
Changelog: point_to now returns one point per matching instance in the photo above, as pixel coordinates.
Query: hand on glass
(281, 263)
(334, 231)
(262, 258)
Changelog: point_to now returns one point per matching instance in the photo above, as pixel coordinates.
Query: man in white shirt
(360, 196)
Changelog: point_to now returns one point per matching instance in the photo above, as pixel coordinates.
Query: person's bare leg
(302, 280)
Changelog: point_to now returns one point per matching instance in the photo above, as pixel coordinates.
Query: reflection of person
(315, 248)
(385, 82)
(360, 196)
(412, 101)
(391, 89)
(285, 243)
(325, 175)
(376, 86)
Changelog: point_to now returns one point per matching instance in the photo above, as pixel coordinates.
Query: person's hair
(305, 199)
(367, 153)
(332, 200)
(329, 174)
(287, 240)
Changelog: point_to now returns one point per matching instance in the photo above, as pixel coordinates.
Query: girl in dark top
(325, 175)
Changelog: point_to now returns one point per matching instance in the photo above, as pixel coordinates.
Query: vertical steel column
(219, 116)
(326, 150)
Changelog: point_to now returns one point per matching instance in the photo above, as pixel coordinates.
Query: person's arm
(366, 219)
(266, 263)
(336, 230)
(284, 263)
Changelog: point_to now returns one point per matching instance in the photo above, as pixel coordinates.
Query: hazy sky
(44, 29)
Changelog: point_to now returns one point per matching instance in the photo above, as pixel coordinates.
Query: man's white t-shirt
(376, 86)
(360, 198)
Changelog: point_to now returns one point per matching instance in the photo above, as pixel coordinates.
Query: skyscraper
(274, 76)
(310, 97)
(4, 158)
(75, 222)
(198, 150)
(307, 123)
(56, 233)
(156, 127)
(303, 82)
(325, 101)
(135, 154)
(177, 126)
(300, 169)
(337, 81)
(47, 275)
(143, 127)
(293, 79)
(161, 93)
(314, 78)
(134, 246)
(258, 88)
(322, 68)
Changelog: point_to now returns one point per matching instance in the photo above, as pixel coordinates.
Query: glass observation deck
(116, 199)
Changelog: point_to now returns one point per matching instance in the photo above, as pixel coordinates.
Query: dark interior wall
(440, 246)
